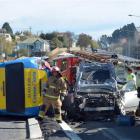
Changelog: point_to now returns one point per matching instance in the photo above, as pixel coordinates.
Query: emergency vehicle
(68, 64)
(21, 83)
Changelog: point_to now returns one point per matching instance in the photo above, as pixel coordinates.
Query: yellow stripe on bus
(2, 89)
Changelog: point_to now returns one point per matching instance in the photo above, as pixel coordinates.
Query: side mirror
(121, 82)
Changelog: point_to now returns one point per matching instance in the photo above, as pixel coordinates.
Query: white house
(6, 36)
(35, 46)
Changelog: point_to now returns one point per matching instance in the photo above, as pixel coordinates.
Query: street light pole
(133, 15)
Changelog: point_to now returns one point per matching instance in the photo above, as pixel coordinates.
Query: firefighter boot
(58, 116)
(41, 115)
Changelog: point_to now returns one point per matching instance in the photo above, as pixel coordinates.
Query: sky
(93, 17)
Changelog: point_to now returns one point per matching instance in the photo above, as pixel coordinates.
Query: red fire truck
(68, 64)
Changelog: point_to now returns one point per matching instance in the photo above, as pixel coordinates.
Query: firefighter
(46, 66)
(56, 87)
(46, 60)
(131, 76)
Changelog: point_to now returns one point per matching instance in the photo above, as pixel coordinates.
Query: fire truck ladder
(91, 56)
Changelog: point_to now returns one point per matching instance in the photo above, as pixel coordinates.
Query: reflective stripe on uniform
(41, 114)
(129, 77)
(58, 117)
(51, 86)
(54, 97)
(63, 92)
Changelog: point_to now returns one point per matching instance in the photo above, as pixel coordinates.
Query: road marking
(69, 132)
(35, 131)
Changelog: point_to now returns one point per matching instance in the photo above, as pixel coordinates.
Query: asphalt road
(12, 128)
(16, 129)
(102, 130)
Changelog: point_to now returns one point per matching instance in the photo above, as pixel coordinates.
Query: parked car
(128, 100)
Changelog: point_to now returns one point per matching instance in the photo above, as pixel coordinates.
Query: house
(7, 37)
(34, 46)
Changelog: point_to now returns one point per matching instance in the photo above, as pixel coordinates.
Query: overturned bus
(21, 83)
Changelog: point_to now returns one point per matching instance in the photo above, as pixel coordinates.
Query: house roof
(32, 40)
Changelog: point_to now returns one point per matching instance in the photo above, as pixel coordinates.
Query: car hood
(96, 88)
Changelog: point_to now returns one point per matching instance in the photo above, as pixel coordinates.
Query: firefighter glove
(62, 98)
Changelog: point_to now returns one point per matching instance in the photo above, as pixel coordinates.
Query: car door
(131, 100)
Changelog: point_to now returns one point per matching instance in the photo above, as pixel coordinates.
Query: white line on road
(69, 132)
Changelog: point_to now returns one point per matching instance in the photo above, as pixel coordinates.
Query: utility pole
(30, 29)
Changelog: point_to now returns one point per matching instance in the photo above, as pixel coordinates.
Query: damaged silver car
(97, 95)
(95, 89)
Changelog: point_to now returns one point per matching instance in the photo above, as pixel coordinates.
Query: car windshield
(99, 75)
(120, 73)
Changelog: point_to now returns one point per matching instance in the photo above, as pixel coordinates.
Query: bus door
(43, 78)
(15, 96)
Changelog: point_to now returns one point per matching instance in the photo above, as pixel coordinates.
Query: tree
(59, 39)
(84, 41)
(48, 36)
(17, 33)
(104, 42)
(42, 35)
(67, 41)
(127, 31)
(94, 44)
(7, 27)
(27, 33)
(55, 42)
(70, 38)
